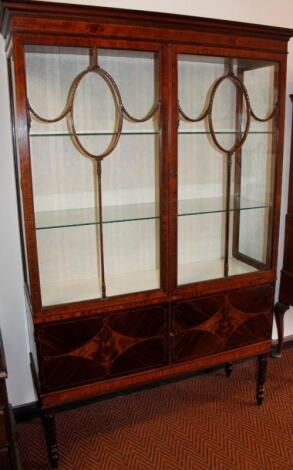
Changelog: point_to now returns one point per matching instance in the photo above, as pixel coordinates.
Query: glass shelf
(89, 215)
(145, 132)
(216, 204)
(222, 132)
(85, 134)
(133, 212)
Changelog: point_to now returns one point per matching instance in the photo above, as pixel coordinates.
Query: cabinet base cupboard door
(148, 156)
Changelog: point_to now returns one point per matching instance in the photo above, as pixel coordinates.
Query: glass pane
(257, 163)
(93, 245)
(226, 144)
(200, 188)
(257, 172)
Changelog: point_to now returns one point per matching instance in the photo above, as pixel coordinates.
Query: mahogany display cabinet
(148, 156)
(286, 283)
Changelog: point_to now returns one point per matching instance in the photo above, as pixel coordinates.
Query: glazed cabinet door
(227, 120)
(95, 154)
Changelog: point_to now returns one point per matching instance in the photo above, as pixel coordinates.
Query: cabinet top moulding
(43, 18)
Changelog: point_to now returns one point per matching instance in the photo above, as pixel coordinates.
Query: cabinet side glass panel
(257, 159)
(225, 165)
(95, 171)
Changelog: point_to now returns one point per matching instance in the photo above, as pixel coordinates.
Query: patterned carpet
(205, 423)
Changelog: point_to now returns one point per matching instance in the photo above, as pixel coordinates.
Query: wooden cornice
(144, 18)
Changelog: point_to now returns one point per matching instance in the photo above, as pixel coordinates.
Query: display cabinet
(286, 283)
(148, 157)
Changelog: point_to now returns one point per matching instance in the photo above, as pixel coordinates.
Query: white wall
(12, 306)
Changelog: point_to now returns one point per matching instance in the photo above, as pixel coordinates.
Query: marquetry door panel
(101, 347)
(217, 323)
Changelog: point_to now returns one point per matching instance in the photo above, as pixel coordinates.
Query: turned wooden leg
(261, 377)
(228, 368)
(48, 420)
(280, 310)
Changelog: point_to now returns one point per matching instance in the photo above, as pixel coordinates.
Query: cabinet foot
(280, 310)
(228, 369)
(261, 377)
(48, 420)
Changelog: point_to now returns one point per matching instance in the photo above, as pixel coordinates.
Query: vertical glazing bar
(229, 66)
(100, 222)
(93, 57)
(227, 222)
(238, 163)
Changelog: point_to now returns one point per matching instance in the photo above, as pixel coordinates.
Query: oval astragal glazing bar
(119, 115)
(240, 85)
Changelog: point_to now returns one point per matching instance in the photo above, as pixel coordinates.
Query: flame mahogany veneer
(101, 347)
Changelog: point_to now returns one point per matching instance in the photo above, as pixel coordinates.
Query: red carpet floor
(205, 423)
